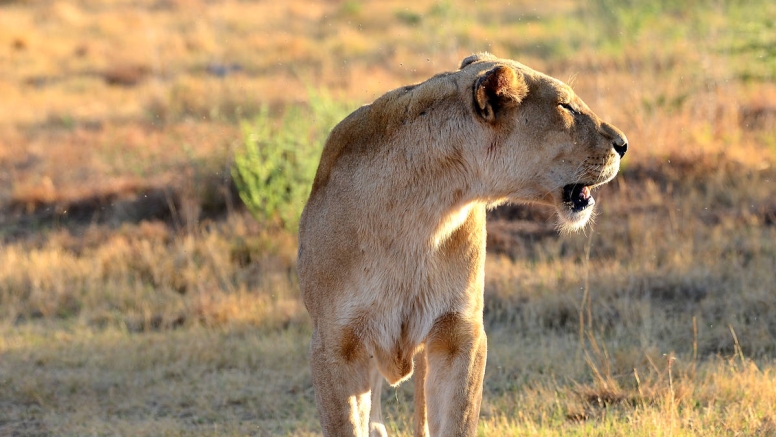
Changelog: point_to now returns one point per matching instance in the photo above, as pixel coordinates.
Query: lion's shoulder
(372, 127)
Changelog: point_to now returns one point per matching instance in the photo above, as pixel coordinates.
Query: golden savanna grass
(137, 297)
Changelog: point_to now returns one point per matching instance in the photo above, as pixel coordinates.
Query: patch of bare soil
(174, 205)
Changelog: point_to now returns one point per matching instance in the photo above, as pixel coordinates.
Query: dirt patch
(174, 205)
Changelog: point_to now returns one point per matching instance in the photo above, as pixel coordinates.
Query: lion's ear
(482, 56)
(498, 89)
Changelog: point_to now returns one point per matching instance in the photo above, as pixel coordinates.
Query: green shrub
(275, 166)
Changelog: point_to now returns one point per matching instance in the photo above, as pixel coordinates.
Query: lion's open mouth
(578, 197)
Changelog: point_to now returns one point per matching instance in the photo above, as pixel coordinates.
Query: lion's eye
(569, 108)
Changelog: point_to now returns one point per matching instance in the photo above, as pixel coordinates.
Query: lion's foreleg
(456, 361)
(342, 390)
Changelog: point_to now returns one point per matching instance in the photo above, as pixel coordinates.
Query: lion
(392, 238)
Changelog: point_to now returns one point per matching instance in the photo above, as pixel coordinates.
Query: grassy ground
(138, 297)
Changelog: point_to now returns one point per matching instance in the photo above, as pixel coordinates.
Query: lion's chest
(397, 310)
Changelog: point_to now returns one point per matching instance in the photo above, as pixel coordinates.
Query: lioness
(392, 239)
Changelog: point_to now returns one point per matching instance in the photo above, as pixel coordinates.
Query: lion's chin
(575, 206)
(571, 221)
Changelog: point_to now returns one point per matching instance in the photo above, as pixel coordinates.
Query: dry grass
(138, 298)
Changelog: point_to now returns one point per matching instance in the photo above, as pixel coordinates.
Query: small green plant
(275, 166)
(350, 8)
(408, 17)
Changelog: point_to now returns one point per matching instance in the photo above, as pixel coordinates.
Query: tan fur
(392, 239)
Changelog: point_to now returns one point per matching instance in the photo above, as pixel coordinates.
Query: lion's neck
(424, 212)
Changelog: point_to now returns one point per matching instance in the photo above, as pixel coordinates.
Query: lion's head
(547, 145)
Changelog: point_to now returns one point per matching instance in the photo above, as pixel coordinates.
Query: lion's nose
(620, 145)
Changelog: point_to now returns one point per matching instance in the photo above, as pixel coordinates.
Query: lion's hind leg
(419, 378)
(376, 426)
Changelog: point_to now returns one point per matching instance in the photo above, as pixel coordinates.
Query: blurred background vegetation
(155, 155)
